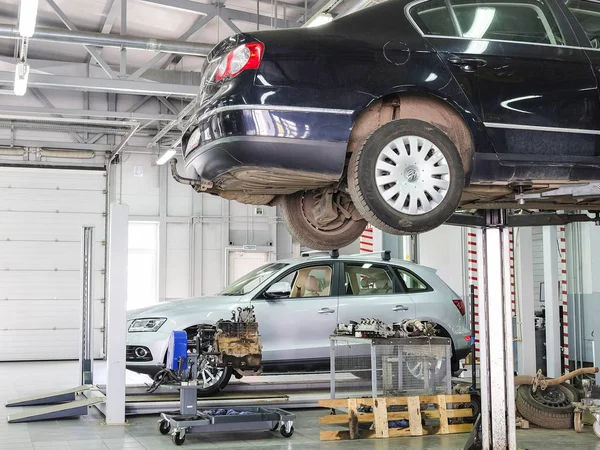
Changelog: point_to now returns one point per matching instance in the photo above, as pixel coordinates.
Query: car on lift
(400, 113)
(298, 304)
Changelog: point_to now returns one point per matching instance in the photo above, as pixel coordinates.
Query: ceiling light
(166, 156)
(27, 17)
(482, 21)
(21, 78)
(319, 19)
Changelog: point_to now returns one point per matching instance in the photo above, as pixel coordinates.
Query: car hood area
(209, 308)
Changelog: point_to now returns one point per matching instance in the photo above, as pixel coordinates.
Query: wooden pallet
(380, 416)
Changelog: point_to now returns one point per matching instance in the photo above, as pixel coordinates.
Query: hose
(164, 376)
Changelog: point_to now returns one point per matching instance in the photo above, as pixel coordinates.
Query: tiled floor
(89, 433)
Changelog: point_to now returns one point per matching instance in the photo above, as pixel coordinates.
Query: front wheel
(322, 219)
(407, 178)
(212, 379)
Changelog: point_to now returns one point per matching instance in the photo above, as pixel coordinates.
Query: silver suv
(298, 304)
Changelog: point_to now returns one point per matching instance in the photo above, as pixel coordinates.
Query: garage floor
(88, 433)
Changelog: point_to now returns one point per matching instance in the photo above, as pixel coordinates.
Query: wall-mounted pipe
(107, 40)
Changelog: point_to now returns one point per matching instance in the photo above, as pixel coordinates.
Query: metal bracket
(591, 189)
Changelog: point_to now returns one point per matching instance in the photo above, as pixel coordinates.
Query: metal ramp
(68, 395)
(62, 404)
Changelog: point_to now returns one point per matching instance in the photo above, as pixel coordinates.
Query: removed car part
(550, 408)
(407, 178)
(322, 219)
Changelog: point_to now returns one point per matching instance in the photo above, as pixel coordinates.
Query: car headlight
(152, 324)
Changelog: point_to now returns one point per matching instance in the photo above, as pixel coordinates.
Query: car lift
(495, 427)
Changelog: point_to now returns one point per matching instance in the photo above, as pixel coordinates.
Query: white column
(377, 240)
(497, 342)
(116, 312)
(551, 299)
(525, 302)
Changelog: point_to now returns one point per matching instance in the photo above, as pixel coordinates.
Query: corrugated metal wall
(42, 212)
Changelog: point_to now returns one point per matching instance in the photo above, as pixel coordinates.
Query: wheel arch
(419, 105)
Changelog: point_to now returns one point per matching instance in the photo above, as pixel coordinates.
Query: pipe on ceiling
(108, 40)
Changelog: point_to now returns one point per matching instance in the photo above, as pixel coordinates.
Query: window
(251, 280)
(142, 265)
(530, 21)
(368, 279)
(433, 18)
(411, 282)
(588, 16)
(305, 282)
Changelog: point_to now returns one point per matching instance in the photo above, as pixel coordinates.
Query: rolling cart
(189, 420)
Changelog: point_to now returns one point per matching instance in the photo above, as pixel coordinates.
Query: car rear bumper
(298, 139)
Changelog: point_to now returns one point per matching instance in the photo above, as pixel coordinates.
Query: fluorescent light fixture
(166, 156)
(27, 17)
(482, 21)
(320, 19)
(21, 78)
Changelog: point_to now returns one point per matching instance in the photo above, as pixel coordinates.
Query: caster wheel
(286, 434)
(164, 427)
(275, 426)
(597, 429)
(578, 422)
(178, 438)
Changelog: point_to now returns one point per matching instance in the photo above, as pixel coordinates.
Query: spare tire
(550, 408)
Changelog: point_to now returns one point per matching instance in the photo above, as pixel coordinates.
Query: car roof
(366, 257)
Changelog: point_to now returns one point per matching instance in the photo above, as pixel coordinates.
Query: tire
(285, 433)
(298, 216)
(550, 408)
(178, 438)
(216, 386)
(441, 182)
(164, 427)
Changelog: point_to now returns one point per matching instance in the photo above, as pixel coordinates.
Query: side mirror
(281, 289)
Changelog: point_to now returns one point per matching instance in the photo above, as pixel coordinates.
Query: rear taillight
(460, 305)
(247, 56)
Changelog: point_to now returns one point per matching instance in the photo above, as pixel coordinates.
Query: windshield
(251, 280)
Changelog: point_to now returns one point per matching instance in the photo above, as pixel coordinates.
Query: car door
(297, 313)
(521, 66)
(373, 291)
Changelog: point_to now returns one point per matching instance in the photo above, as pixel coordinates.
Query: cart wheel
(287, 435)
(597, 429)
(164, 427)
(178, 438)
(578, 421)
(275, 426)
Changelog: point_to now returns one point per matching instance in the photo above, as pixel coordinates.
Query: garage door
(42, 212)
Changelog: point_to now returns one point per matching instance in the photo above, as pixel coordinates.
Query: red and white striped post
(366, 240)
(472, 261)
(562, 276)
(511, 265)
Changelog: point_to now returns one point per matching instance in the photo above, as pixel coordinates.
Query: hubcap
(412, 175)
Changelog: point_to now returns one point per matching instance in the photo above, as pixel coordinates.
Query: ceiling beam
(42, 98)
(196, 26)
(37, 80)
(234, 14)
(63, 112)
(94, 52)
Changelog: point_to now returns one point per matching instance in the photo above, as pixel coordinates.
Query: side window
(411, 282)
(305, 282)
(588, 15)
(523, 21)
(368, 279)
(527, 21)
(433, 18)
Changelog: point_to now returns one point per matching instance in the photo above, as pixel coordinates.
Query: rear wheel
(407, 178)
(322, 219)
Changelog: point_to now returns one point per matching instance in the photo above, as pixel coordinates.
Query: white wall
(196, 228)
(444, 249)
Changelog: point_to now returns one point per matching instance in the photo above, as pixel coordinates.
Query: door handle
(467, 64)
(400, 308)
(326, 311)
